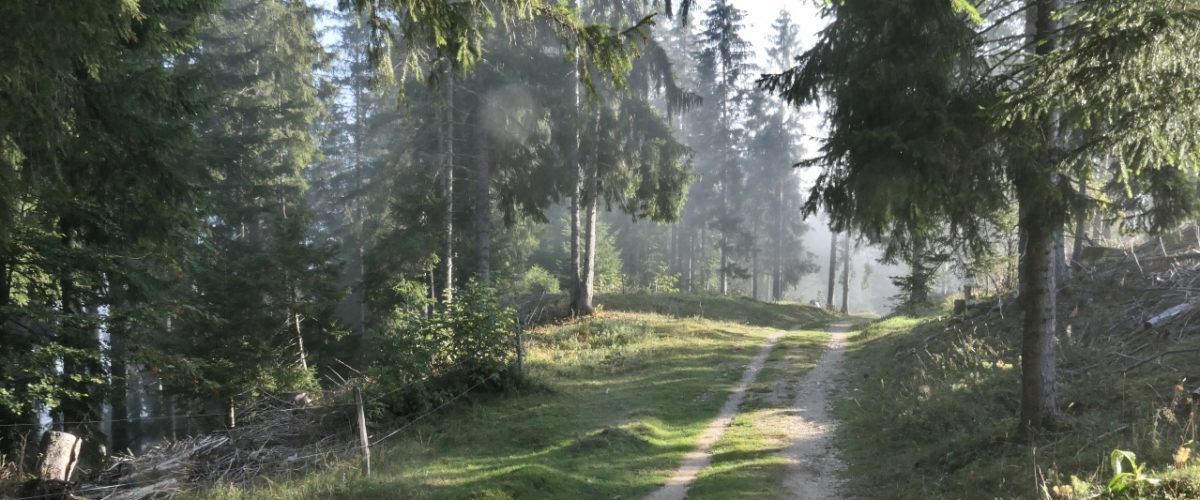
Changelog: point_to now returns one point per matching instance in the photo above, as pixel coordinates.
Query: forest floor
(614, 406)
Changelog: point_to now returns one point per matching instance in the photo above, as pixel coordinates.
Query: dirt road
(815, 469)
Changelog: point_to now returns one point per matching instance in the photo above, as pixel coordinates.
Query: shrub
(537, 280)
(426, 360)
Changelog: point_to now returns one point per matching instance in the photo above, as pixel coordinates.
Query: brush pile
(1144, 298)
(275, 436)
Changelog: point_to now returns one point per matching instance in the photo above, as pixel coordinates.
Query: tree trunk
(691, 261)
(724, 270)
(75, 371)
(296, 323)
(754, 274)
(846, 274)
(754, 261)
(5, 285)
(919, 277)
(591, 197)
(119, 434)
(577, 192)
(587, 288)
(483, 204)
(1038, 280)
(60, 454)
(1081, 218)
(1041, 219)
(832, 268)
(777, 268)
(447, 294)
(1062, 272)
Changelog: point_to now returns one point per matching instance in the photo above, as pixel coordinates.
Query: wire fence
(343, 449)
(184, 416)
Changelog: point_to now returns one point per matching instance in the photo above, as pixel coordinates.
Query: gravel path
(815, 469)
(699, 458)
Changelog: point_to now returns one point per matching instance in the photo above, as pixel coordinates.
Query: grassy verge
(783, 315)
(747, 460)
(930, 407)
(613, 405)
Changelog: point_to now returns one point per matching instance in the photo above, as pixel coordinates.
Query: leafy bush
(536, 281)
(425, 360)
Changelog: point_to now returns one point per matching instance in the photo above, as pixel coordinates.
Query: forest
(599, 249)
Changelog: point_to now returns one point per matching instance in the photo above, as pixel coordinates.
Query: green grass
(614, 405)
(929, 410)
(783, 315)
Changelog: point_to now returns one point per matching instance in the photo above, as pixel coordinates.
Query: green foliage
(425, 360)
(1126, 473)
(537, 280)
(1126, 70)
(906, 132)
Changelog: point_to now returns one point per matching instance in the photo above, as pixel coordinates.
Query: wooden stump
(60, 453)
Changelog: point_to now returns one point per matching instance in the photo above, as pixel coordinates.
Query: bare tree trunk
(754, 261)
(296, 322)
(447, 263)
(919, 277)
(691, 261)
(1041, 220)
(577, 192)
(591, 197)
(483, 205)
(1062, 273)
(119, 435)
(1038, 280)
(754, 274)
(777, 268)
(587, 289)
(1081, 218)
(724, 270)
(846, 274)
(832, 268)
(5, 284)
(75, 370)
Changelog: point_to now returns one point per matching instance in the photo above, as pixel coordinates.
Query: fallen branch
(1098, 438)
(1159, 355)
(1165, 316)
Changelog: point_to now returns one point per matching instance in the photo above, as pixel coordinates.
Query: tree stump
(60, 453)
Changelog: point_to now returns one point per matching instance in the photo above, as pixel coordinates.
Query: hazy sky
(761, 13)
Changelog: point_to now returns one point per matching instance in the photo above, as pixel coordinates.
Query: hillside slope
(930, 411)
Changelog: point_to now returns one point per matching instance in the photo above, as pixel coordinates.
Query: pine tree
(93, 200)
(723, 57)
(259, 279)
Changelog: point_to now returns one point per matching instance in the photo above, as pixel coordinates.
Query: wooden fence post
(362, 431)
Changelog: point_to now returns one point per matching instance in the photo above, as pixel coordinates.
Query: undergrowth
(929, 411)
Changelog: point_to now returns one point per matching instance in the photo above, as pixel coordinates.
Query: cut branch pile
(1159, 281)
(273, 437)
